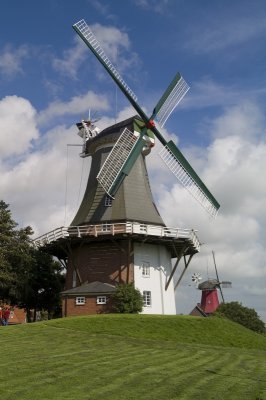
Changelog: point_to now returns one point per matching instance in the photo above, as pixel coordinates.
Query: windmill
(196, 278)
(209, 297)
(130, 145)
(117, 234)
(121, 240)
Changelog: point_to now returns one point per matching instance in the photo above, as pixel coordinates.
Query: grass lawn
(124, 357)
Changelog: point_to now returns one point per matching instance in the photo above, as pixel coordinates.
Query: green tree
(127, 299)
(40, 289)
(14, 253)
(245, 316)
(28, 277)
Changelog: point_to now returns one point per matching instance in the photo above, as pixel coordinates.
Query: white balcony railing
(129, 228)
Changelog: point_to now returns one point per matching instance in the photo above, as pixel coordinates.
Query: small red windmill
(209, 296)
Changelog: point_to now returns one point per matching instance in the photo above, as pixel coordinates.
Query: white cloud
(208, 93)
(36, 186)
(115, 43)
(11, 60)
(17, 126)
(117, 47)
(112, 40)
(45, 187)
(78, 105)
(103, 9)
(226, 34)
(232, 167)
(72, 58)
(160, 7)
(245, 120)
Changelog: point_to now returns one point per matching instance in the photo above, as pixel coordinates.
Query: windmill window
(106, 227)
(143, 228)
(101, 300)
(145, 269)
(80, 301)
(147, 298)
(108, 201)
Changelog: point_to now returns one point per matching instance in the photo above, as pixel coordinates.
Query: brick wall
(70, 308)
(17, 315)
(109, 262)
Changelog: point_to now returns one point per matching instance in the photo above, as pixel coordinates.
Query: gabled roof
(198, 311)
(91, 288)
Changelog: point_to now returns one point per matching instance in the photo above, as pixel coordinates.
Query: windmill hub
(150, 124)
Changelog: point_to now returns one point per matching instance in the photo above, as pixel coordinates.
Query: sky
(49, 81)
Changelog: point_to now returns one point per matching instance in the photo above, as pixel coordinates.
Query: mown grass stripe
(70, 359)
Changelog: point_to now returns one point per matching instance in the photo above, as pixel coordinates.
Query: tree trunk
(28, 315)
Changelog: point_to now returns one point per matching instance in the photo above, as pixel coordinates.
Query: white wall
(162, 302)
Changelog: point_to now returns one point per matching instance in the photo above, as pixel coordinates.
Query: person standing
(6, 315)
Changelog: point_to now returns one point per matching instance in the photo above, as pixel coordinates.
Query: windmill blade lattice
(86, 34)
(113, 168)
(226, 284)
(175, 161)
(170, 99)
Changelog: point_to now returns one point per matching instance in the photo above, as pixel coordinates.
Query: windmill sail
(186, 175)
(226, 284)
(119, 161)
(171, 155)
(170, 99)
(88, 37)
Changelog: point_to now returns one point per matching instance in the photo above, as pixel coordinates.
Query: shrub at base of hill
(127, 299)
(245, 316)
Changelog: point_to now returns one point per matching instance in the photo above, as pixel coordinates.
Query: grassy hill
(120, 357)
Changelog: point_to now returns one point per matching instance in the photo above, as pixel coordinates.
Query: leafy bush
(127, 299)
(245, 316)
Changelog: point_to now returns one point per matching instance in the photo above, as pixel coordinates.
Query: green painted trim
(185, 164)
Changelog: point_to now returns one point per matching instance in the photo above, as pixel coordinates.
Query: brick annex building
(121, 240)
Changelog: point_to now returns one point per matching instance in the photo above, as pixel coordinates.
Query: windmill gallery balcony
(173, 237)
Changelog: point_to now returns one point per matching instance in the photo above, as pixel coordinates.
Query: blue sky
(49, 80)
(217, 46)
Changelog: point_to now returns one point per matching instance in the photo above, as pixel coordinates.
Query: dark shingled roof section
(91, 288)
(210, 284)
(133, 201)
